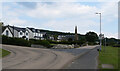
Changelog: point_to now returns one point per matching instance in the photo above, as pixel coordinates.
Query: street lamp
(100, 31)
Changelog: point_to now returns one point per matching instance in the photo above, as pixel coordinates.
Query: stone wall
(61, 46)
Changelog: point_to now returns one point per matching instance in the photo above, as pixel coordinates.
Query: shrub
(67, 42)
(53, 42)
(40, 42)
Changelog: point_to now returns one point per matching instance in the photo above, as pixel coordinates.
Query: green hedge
(66, 42)
(15, 41)
(46, 43)
(23, 42)
(40, 42)
(92, 43)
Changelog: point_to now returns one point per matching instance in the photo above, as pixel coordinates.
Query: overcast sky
(63, 16)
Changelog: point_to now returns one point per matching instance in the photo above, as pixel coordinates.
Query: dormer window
(33, 30)
(38, 31)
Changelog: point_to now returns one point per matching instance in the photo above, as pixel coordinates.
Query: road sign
(101, 36)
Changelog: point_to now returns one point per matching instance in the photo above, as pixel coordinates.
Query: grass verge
(108, 56)
(3, 53)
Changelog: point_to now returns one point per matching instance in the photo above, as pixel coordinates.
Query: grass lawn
(109, 56)
(3, 52)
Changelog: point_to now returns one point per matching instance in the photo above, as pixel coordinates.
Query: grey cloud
(30, 5)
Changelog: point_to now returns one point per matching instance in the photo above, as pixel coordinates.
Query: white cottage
(7, 32)
(35, 33)
(26, 33)
(12, 31)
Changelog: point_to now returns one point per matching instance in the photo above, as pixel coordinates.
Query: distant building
(65, 37)
(35, 33)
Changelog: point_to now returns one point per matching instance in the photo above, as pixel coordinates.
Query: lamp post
(100, 31)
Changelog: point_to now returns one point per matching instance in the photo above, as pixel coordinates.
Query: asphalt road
(77, 51)
(39, 58)
(86, 61)
(34, 58)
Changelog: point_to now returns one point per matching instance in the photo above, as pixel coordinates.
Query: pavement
(86, 61)
(39, 58)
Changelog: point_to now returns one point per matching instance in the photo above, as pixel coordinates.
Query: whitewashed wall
(9, 35)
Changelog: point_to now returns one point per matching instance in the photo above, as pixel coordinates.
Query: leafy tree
(70, 39)
(91, 37)
(46, 36)
(111, 41)
(55, 37)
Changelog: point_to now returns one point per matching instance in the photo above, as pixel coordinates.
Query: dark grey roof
(4, 27)
(32, 29)
(36, 30)
(18, 28)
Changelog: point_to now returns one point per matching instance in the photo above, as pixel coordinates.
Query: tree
(111, 41)
(70, 39)
(91, 37)
(46, 36)
(82, 39)
(55, 37)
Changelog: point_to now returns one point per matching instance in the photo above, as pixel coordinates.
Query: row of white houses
(26, 33)
(30, 33)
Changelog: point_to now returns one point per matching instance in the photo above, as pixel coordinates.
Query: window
(26, 33)
(7, 33)
(20, 33)
(26, 38)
